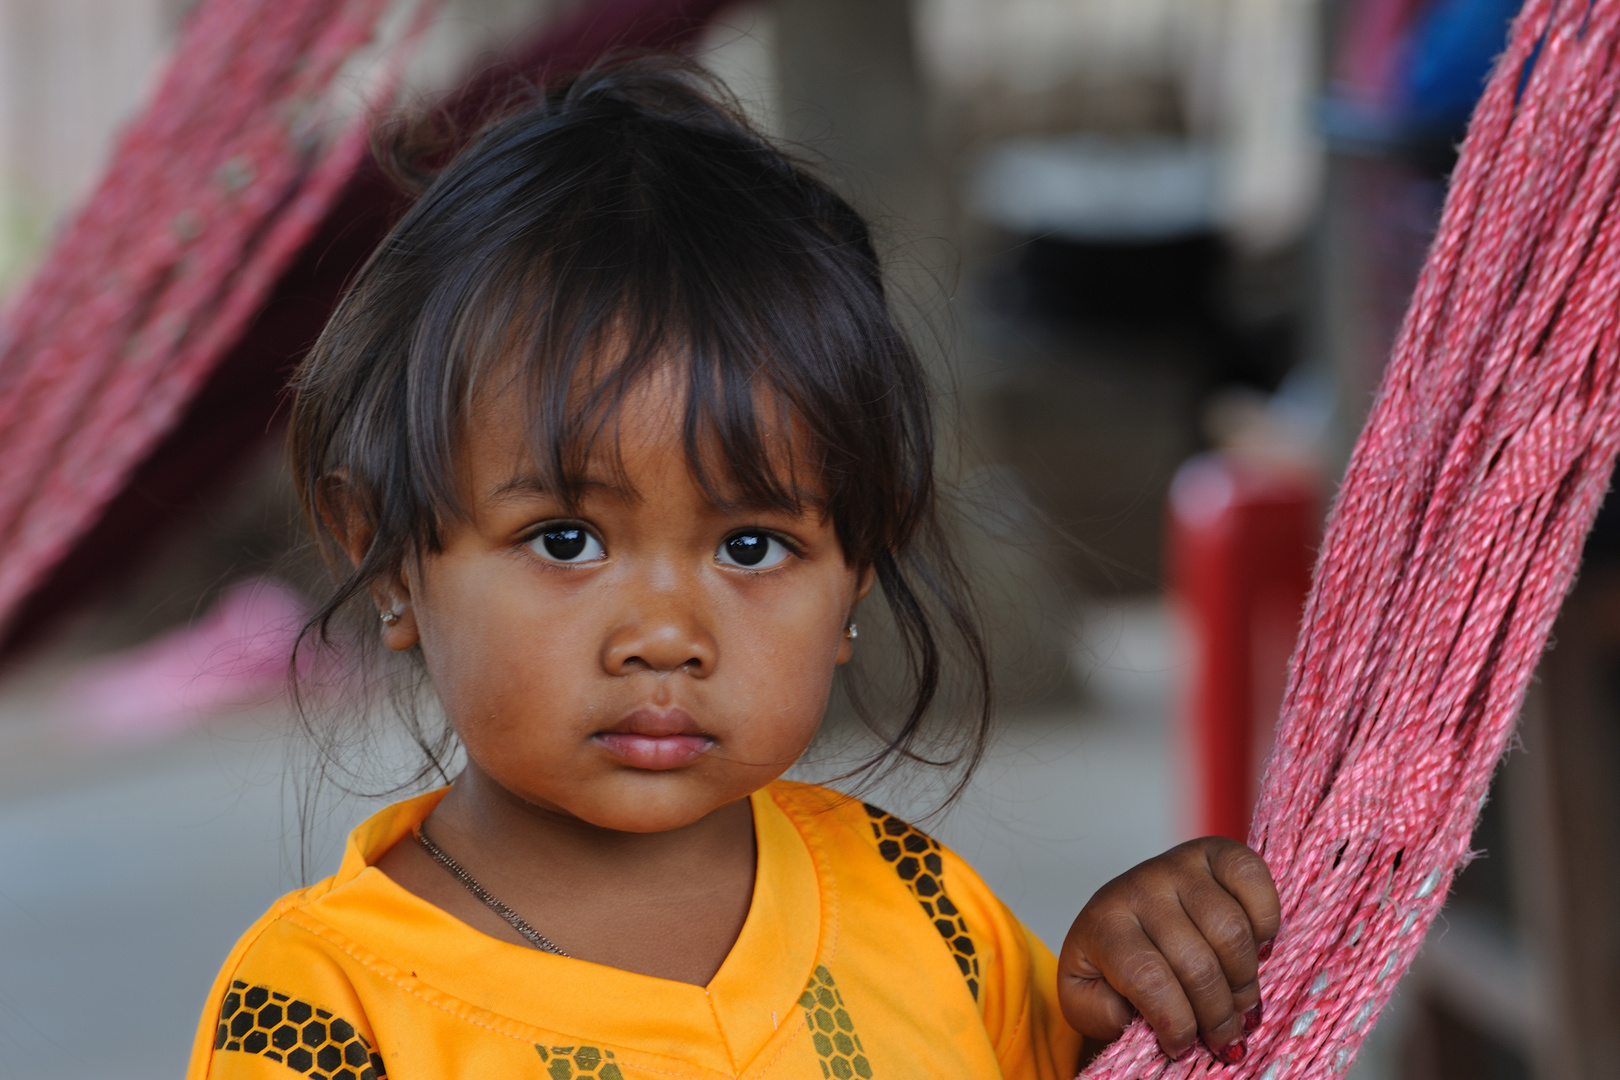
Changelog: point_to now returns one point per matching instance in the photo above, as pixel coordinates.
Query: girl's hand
(1179, 941)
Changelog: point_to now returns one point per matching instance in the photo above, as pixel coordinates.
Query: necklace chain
(459, 872)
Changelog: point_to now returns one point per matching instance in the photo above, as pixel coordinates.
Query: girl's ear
(396, 612)
(341, 516)
(344, 520)
(863, 585)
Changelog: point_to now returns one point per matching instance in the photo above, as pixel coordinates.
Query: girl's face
(641, 660)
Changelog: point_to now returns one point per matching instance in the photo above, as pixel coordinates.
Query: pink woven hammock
(211, 193)
(1455, 537)
(147, 353)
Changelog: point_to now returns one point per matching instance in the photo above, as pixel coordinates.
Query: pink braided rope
(1454, 539)
(209, 196)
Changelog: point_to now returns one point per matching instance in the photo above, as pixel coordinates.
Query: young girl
(617, 433)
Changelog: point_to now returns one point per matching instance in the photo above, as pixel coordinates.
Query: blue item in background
(1449, 54)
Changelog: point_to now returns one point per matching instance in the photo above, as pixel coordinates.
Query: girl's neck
(666, 904)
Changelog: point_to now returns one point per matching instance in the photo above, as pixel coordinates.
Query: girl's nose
(663, 636)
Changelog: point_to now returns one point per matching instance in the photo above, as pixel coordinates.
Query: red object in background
(1243, 533)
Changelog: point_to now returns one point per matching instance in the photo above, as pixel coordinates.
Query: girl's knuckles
(1231, 936)
(1162, 912)
(1247, 872)
(1111, 927)
(1146, 976)
(1254, 880)
(1202, 977)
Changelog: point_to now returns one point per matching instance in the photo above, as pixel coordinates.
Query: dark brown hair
(618, 222)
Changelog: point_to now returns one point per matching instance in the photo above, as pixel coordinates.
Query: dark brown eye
(567, 544)
(752, 550)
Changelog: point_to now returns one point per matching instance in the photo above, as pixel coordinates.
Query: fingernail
(1232, 1053)
(1252, 1018)
(1264, 952)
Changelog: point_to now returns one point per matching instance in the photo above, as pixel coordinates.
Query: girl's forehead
(635, 437)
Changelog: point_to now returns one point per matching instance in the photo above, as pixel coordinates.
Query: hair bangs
(635, 280)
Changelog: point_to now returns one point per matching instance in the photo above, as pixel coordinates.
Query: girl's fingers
(1179, 937)
(1244, 875)
(1201, 975)
(1139, 970)
(1103, 1012)
(1247, 882)
(1224, 924)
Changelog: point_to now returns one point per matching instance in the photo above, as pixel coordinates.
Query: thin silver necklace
(519, 923)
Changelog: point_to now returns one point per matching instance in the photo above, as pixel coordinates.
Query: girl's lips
(653, 751)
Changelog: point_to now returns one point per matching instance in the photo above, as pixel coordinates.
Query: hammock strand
(1454, 539)
(211, 193)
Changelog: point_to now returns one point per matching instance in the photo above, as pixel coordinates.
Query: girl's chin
(654, 752)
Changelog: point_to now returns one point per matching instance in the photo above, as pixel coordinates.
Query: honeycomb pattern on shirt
(839, 1048)
(306, 1039)
(915, 857)
(579, 1063)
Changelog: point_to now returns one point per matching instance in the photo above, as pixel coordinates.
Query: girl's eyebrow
(809, 501)
(529, 485)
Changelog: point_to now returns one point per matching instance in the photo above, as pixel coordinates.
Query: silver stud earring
(851, 632)
(389, 618)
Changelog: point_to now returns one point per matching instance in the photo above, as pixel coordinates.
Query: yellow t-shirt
(869, 951)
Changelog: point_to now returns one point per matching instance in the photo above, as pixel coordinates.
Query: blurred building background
(1146, 243)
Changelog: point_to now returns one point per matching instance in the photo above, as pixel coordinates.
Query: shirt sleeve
(281, 1002)
(1018, 992)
